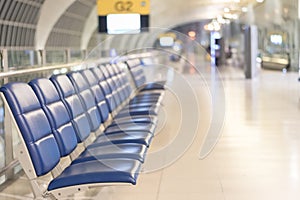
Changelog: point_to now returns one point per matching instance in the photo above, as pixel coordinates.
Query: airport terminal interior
(149, 99)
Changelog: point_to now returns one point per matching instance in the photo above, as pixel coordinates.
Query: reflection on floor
(257, 156)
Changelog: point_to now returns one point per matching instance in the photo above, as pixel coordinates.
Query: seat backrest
(33, 125)
(118, 82)
(87, 98)
(137, 72)
(120, 69)
(57, 114)
(98, 94)
(110, 100)
(122, 80)
(74, 106)
(111, 84)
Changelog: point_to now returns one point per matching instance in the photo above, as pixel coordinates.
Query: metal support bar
(68, 55)
(5, 63)
(84, 54)
(9, 158)
(41, 57)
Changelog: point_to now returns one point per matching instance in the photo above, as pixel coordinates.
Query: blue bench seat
(44, 150)
(131, 151)
(137, 73)
(61, 123)
(107, 171)
(86, 128)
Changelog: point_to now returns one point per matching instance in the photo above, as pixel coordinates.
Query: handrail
(20, 72)
(34, 70)
(14, 163)
(133, 56)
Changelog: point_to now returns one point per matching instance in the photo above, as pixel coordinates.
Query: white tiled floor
(256, 158)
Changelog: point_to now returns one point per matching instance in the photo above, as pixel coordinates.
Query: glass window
(76, 55)
(56, 57)
(22, 58)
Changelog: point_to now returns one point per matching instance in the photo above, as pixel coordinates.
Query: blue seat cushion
(129, 137)
(57, 114)
(150, 109)
(138, 111)
(150, 93)
(148, 96)
(34, 126)
(96, 171)
(160, 85)
(143, 100)
(134, 120)
(141, 105)
(144, 127)
(130, 151)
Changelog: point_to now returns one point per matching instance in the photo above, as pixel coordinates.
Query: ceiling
(40, 24)
(169, 12)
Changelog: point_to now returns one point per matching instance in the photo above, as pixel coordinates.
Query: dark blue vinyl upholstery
(117, 84)
(137, 72)
(128, 137)
(110, 100)
(80, 116)
(87, 84)
(140, 100)
(123, 84)
(131, 126)
(57, 114)
(87, 98)
(54, 115)
(98, 94)
(65, 134)
(111, 84)
(101, 101)
(34, 126)
(73, 103)
(129, 151)
(134, 119)
(117, 93)
(108, 171)
(123, 79)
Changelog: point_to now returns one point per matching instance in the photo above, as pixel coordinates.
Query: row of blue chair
(85, 128)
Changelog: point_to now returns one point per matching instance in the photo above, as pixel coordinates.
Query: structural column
(251, 45)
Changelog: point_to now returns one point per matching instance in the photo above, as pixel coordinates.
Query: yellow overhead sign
(106, 7)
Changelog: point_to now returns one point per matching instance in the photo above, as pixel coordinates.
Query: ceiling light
(237, 1)
(260, 1)
(231, 16)
(235, 16)
(192, 34)
(214, 25)
(228, 15)
(244, 9)
(220, 19)
(209, 27)
(227, 10)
